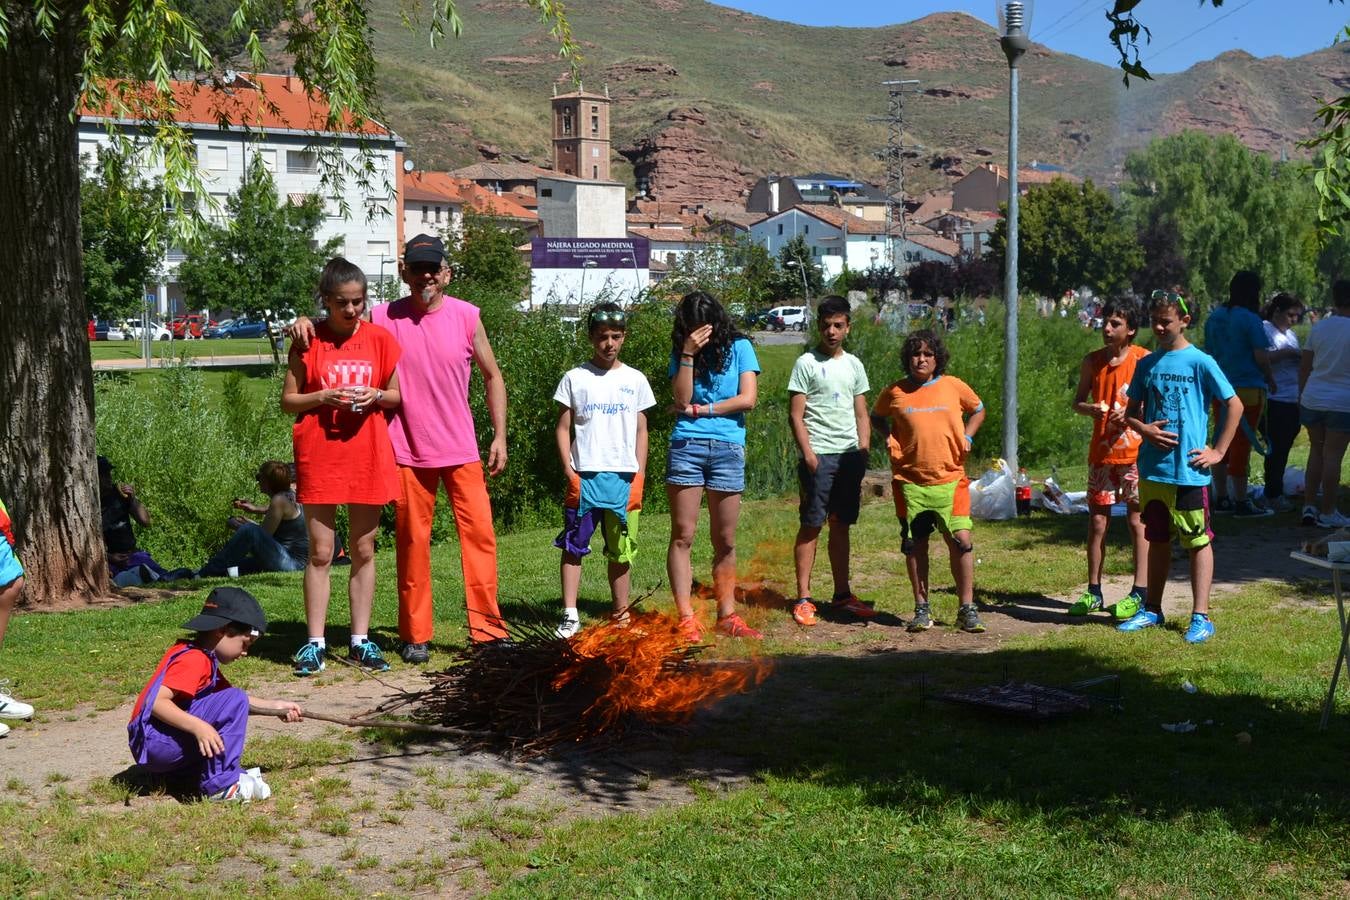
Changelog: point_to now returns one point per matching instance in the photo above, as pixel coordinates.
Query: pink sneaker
(734, 626)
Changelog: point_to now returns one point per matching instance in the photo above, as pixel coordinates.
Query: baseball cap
(424, 248)
(225, 605)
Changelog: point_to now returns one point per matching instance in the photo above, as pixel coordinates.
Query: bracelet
(970, 442)
(379, 395)
(686, 365)
(712, 409)
(686, 356)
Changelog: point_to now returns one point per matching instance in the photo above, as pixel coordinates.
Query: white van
(783, 318)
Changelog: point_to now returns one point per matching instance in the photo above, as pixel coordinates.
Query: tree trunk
(47, 472)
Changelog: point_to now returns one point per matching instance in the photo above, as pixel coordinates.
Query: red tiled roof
(503, 206)
(437, 186)
(933, 206)
(842, 219)
(507, 171)
(935, 242)
(680, 235)
(1032, 176)
(252, 101)
(444, 187)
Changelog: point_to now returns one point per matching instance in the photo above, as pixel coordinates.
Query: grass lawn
(860, 786)
(131, 350)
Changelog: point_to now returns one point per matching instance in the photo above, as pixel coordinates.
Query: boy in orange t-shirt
(1103, 378)
(929, 436)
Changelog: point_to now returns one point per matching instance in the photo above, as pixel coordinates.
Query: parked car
(246, 328)
(103, 330)
(757, 320)
(158, 330)
(189, 325)
(219, 329)
(781, 318)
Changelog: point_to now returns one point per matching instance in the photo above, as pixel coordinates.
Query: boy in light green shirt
(827, 408)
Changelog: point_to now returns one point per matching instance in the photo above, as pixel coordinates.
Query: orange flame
(650, 671)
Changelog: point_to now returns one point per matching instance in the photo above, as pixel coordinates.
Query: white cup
(232, 571)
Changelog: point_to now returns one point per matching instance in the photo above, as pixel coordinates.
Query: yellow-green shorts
(1175, 510)
(620, 536)
(923, 508)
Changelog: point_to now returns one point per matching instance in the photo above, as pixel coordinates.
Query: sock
(1095, 590)
(319, 642)
(571, 615)
(359, 639)
(1139, 591)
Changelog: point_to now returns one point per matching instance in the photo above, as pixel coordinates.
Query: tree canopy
(121, 235)
(1070, 235)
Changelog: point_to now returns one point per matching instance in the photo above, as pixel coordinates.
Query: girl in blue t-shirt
(713, 373)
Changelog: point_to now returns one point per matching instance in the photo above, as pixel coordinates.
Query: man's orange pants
(413, 511)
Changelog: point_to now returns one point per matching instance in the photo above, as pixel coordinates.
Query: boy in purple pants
(188, 720)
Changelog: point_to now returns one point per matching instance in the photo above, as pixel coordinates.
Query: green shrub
(189, 451)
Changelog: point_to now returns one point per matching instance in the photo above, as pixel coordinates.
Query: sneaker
(923, 619)
(1126, 607)
(1310, 515)
(1087, 603)
(250, 786)
(734, 626)
(968, 619)
(1332, 519)
(1247, 509)
(228, 795)
(4, 729)
(13, 709)
(1281, 504)
(804, 612)
(692, 631)
(567, 627)
(414, 654)
(308, 659)
(1223, 506)
(368, 655)
(1145, 618)
(1201, 630)
(852, 606)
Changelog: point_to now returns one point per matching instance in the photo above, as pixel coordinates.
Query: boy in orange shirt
(1113, 476)
(929, 437)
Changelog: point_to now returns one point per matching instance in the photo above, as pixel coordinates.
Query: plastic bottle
(1022, 491)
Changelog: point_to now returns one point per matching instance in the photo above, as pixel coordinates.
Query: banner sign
(600, 253)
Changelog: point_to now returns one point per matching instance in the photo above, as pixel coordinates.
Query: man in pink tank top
(434, 442)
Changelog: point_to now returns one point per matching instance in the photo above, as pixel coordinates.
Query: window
(425, 216)
(806, 229)
(595, 123)
(332, 207)
(217, 157)
(89, 152)
(567, 121)
(218, 212)
(302, 162)
(780, 227)
(438, 215)
(377, 249)
(546, 192)
(858, 211)
(595, 171)
(269, 160)
(188, 201)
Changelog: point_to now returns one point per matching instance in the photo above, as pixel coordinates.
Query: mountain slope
(706, 99)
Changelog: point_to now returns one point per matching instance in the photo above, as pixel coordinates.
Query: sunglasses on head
(1173, 297)
(616, 316)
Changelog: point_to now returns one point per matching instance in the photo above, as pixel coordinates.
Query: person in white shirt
(1324, 409)
(602, 444)
(1282, 426)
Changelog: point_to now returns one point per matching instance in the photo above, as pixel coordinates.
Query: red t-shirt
(343, 456)
(186, 677)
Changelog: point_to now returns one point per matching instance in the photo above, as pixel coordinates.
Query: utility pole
(892, 155)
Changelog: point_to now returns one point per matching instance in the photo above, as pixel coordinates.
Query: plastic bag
(1053, 499)
(993, 497)
(1294, 481)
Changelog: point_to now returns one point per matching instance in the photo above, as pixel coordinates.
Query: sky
(1184, 32)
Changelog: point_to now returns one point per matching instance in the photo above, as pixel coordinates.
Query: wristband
(686, 356)
(970, 442)
(712, 409)
(686, 365)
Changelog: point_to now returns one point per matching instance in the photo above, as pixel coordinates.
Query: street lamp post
(588, 264)
(806, 290)
(1013, 20)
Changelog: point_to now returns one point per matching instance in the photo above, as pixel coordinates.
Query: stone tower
(581, 135)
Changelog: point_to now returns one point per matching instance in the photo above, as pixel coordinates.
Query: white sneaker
(568, 627)
(1310, 515)
(1332, 519)
(252, 786)
(13, 709)
(4, 729)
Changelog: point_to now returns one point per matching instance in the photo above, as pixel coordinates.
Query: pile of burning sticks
(539, 691)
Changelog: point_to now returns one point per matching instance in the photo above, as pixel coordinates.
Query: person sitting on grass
(279, 544)
(128, 565)
(188, 720)
(11, 585)
(602, 441)
(827, 410)
(1170, 395)
(339, 388)
(1113, 475)
(923, 416)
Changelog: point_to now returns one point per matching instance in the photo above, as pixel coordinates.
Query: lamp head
(1014, 16)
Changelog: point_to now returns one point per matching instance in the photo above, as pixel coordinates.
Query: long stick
(403, 724)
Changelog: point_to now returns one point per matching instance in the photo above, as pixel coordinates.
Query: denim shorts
(1332, 421)
(705, 462)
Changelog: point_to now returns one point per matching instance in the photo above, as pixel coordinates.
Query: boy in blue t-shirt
(11, 585)
(1169, 400)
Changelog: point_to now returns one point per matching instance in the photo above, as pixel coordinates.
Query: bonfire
(541, 691)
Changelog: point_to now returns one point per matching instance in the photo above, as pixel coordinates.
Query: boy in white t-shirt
(827, 410)
(602, 442)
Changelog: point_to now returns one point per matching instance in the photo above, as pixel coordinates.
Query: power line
(1182, 40)
(1050, 30)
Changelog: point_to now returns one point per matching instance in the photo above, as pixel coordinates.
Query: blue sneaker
(1201, 630)
(1145, 618)
(368, 656)
(308, 659)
